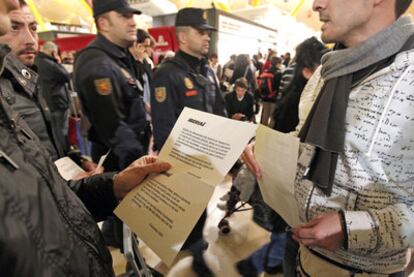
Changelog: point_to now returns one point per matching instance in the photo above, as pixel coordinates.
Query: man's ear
(307, 72)
(182, 37)
(103, 23)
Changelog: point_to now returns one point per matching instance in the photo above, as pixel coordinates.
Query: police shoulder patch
(103, 86)
(188, 83)
(160, 94)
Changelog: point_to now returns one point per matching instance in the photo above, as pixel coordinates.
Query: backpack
(265, 84)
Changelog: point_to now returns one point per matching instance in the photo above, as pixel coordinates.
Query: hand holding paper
(201, 150)
(250, 160)
(133, 175)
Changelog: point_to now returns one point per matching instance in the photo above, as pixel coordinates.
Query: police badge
(188, 83)
(160, 94)
(103, 86)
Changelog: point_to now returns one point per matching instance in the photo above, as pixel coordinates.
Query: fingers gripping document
(201, 149)
(277, 154)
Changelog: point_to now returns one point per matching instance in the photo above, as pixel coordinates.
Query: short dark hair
(142, 35)
(401, 6)
(275, 60)
(213, 56)
(241, 83)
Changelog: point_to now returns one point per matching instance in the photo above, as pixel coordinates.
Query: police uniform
(184, 81)
(105, 79)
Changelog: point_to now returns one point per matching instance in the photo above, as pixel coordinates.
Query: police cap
(103, 6)
(193, 17)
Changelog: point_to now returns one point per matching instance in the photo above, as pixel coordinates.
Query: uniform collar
(24, 76)
(110, 47)
(45, 56)
(195, 63)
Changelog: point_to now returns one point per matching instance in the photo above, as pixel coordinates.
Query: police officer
(104, 77)
(186, 81)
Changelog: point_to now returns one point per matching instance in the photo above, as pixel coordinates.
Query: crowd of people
(351, 107)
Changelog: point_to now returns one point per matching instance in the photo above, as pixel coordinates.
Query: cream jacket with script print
(374, 181)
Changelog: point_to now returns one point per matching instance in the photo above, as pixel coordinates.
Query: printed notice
(164, 209)
(67, 168)
(277, 182)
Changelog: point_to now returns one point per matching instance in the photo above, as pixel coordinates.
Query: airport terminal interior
(227, 138)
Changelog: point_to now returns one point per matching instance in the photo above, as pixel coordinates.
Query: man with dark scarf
(187, 81)
(354, 181)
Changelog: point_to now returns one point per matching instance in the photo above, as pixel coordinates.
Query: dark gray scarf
(341, 69)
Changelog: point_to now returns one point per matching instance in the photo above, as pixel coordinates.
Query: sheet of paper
(277, 154)
(201, 149)
(163, 211)
(67, 168)
(206, 146)
(102, 159)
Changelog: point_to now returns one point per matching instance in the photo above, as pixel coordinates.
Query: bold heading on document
(195, 121)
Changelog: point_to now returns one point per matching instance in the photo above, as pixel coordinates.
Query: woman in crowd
(307, 59)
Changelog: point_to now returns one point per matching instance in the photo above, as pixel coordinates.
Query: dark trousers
(196, 234)
(291, 253)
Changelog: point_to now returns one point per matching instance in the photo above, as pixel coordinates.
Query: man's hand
(238, 116)
(134, 174)
(250, 160)
(90, 168)
(138, 51)
(324, 231)
(57, 57)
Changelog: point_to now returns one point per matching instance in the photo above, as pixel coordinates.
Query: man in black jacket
(54, 82)
(239, 102)
(105, 79)
(141, 50)
(21, 91)
(48, 226)
(104, 76)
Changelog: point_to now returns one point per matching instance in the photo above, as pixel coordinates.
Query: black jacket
(183, 81)
(45, 228)
(245, 106)
(54, 81)
(142, 68)
(104, 76)
(20, 90)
